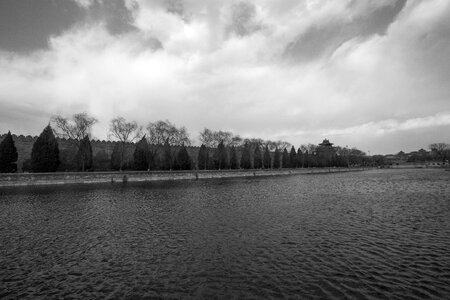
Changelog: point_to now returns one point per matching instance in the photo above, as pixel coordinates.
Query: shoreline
(119, 177)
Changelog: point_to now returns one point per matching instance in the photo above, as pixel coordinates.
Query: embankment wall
(29, 179)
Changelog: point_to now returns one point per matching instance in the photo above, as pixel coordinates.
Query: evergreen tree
(285, 159)
(300, 162)
(84, 155)
(293, 158)
(233, 158)
(222, 156)
(8, 155)
(257, 158)
(183, 159)
(141, 155)
(167, 156)
(45, 152)
(267, 159)
(306, 159)
(276, 159)
(116, 157)
(202, 158)
(245, 160)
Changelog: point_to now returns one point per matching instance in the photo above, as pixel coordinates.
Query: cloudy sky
(373, 74)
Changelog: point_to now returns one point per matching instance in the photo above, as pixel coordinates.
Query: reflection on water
(365, 235)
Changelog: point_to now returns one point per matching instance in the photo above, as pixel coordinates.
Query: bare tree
(75, 129)
(125, 132)
(212, 139)
(162, 131)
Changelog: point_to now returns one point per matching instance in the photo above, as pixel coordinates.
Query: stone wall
(31, 179)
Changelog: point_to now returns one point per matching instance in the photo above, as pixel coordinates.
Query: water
(364, 235)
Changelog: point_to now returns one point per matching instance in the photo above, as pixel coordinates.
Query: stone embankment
(27, 179)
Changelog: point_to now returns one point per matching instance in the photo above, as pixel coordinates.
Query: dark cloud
(25, 25)
(243, 19)
(113, 13)
(322, 39)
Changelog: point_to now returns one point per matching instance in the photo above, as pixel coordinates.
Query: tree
(293, 158)
(267, 159)
(234, 164)
(125, 132)
(183, 159)
(203, 157)
(164, 131)
(300, 161)
(45, 152)
(212, 139)
(8, 155)
(222, 156)
(285, 159)
(141, 155)
(84, 154)
(257, 158)
(75, 130)
(167, 156)
(245, 160)
(440, 150)
(276, 159)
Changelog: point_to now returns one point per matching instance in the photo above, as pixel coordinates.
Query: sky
(370, 74)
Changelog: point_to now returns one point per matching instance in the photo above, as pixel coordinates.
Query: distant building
(325, 152)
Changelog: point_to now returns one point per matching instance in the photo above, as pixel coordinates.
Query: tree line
(164, 147)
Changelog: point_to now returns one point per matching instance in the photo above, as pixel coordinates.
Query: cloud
(224, 66)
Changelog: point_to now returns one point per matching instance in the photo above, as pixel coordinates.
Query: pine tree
(245, 160)
(183, 159)
(285, 159)
(141, 155)
(222, 156)
(167, 159)
(267, 159)
(276, 159)
(45, 152)
(115, 157)
(306, 163)
(300, 162)
(8, 155)
(202, 158)
(233, 158)
(293, 158)
(84, 155)
(257, 159)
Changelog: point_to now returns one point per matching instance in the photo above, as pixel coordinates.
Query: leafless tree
(212, 139)
(125, 132)
(162, 131)
(74, 129)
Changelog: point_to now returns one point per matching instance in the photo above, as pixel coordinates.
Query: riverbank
(28, 179)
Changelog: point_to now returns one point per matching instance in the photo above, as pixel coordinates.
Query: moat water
(379, 234)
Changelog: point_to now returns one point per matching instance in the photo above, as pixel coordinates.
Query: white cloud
(204, 77)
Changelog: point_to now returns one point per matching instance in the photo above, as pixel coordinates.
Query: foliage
(300, 158)
(164, 131)
(167, 156)
(84, 154)
(141, 155)
(234, 164)
(276, 159)
(101, 161)
(8, 155)
(125, 132)
(245, 160)
(76, 129)
(45, 152)
(222, 157)
(285, 159)
(202, 158)
(183, 159)
(257, 158)
(267, 158)
(293, 158)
